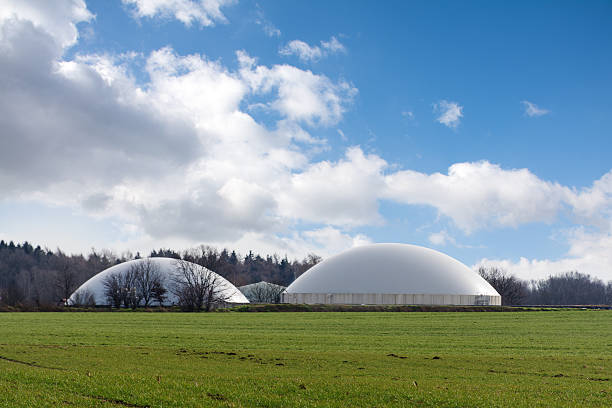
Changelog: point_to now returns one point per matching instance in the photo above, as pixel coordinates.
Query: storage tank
(395, 274)
(168, 269)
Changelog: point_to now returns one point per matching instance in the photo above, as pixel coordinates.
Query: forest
(35, 276)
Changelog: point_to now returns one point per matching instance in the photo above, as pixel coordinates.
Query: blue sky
(480, 129)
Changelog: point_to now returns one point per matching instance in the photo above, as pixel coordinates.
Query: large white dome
(388, 272)
(168, 269)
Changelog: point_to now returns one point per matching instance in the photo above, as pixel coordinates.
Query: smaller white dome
(262, 292)
(168, 269)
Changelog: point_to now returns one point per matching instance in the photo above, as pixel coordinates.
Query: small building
(262, 292)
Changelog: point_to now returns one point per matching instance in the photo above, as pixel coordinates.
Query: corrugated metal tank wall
(389, 299)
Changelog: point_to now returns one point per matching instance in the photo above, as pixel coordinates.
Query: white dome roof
(391, 269)
(167, 267)
(262, 291)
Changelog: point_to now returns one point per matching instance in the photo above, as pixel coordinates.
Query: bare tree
(112, 289)
(198, 288)
(142, 283)
(130, 295)
(512, 290)
(148, 280)
(309, 261)
(120, 289)
(84, 298)
(159, 292)
(65, 277)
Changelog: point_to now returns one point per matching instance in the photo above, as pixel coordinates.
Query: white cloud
(589, 246)
(593, 205)
(204, 12)
(480, 195)
(408, 114)
(450, 113)
(441, 238)
(311, 53)
(531, 109)
(269, 29)
(301, 95)
(79, 124)
(338, 193)
(324, 242)
(304, 51)
(57, 19)
(175, 157)
(331, 241)
(333, 46)
(589, 253)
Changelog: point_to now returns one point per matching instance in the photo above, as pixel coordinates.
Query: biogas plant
(396, 274)
(377, 274)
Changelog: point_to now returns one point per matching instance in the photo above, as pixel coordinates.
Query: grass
(284, 307)
(555, 358)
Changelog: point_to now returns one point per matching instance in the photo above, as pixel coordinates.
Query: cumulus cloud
(176, 157)
(589, 253)
(304, 51)
(312, 53)
(324, 242)
(441, 238)
(339, 193)
(204, 12)
(214, 216)
(59, 116)
(593, 205)
(531, 109)
(56, 19)
(450, 113)
(589, 244)
(480, 194)
(301, 95)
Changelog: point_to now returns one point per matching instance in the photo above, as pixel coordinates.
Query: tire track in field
(115, 401)
(12, 360)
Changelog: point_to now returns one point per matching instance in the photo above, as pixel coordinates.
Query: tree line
(569, 288)
(35, 276)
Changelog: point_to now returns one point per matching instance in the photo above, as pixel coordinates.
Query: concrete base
(389, 299)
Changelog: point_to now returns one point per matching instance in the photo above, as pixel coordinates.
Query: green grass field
(556, 358)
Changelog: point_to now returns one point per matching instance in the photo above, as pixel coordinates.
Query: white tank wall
(389, 299)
